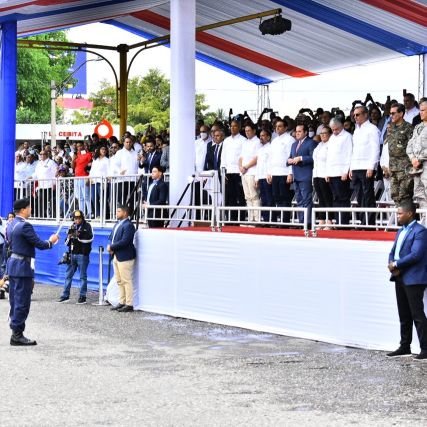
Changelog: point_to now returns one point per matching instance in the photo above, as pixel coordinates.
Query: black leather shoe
(118, 307)
(20, 340)
(126, 309)
(400, 352)
(421, 357)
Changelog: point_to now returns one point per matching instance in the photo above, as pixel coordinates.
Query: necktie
(150, 159)
(216, 157)
(298, 146)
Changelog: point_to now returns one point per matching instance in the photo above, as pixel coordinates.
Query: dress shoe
(18, 339)
(118, 307)
(126, 309)
(400, 352)
(421, 357)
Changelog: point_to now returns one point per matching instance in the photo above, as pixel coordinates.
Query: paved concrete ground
(97, 367)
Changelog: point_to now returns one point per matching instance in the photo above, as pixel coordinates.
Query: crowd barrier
(332, 290)
(53, 200)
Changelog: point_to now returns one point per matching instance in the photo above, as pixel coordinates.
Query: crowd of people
(273, 161)
(88, 161)
(266, 163)
(325, 156)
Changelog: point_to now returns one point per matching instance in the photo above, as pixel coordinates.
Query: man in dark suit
(408, 266)
(301, 159)
(22, 241)
(123, 252)
(151, 158)
(157, 195)
(147, 161)
(213, 160)
(214, 151)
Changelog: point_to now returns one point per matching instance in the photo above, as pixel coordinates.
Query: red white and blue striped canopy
(326, 34)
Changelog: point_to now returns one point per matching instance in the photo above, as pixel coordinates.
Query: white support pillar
(183, 94)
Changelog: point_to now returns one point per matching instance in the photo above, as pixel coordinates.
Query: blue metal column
(8, 70)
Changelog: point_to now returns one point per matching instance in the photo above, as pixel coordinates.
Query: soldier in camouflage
(398, 135)
(417, 152)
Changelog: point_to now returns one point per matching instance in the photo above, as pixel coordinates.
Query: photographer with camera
(79, 241)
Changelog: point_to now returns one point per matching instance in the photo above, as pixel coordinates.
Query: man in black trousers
(157, 195)
(408, 267)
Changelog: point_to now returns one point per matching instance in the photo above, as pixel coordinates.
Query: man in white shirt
(113, 171)
(19, 176)
(247, 166)
(279, 172)
(126, 162)
(263, 160)
(340, 147)
(410, 109)
(45, 174)
(113, 159)
(28, 171)
(364, 160)
(231, 151)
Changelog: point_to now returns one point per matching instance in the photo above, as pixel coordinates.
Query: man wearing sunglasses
(364, 160)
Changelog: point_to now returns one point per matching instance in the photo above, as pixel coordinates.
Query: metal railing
(379, 218)
(175, 216)
(97, 197)
(263, 216)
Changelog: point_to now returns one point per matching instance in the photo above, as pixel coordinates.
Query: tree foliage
(35, 70)
(148, 103)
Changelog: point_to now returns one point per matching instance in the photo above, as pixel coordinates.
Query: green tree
(104, 106)
(212, 116)
(36, 68)
(201, 105)
(148, 103)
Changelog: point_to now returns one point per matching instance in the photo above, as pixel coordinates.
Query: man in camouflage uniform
(417, 152)
(398, 135)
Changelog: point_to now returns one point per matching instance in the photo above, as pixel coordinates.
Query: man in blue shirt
(408, 268)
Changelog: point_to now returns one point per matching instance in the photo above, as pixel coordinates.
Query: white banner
(331, 290)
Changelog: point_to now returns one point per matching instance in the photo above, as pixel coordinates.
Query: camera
(65, 259)
(73, 233)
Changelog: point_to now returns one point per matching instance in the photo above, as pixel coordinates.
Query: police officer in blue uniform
(22, 241)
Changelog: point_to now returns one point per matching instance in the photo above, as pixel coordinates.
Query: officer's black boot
(18, 338)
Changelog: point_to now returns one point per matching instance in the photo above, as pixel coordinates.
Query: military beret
(21, 204)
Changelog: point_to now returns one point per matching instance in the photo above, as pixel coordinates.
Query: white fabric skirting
(331, 290)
